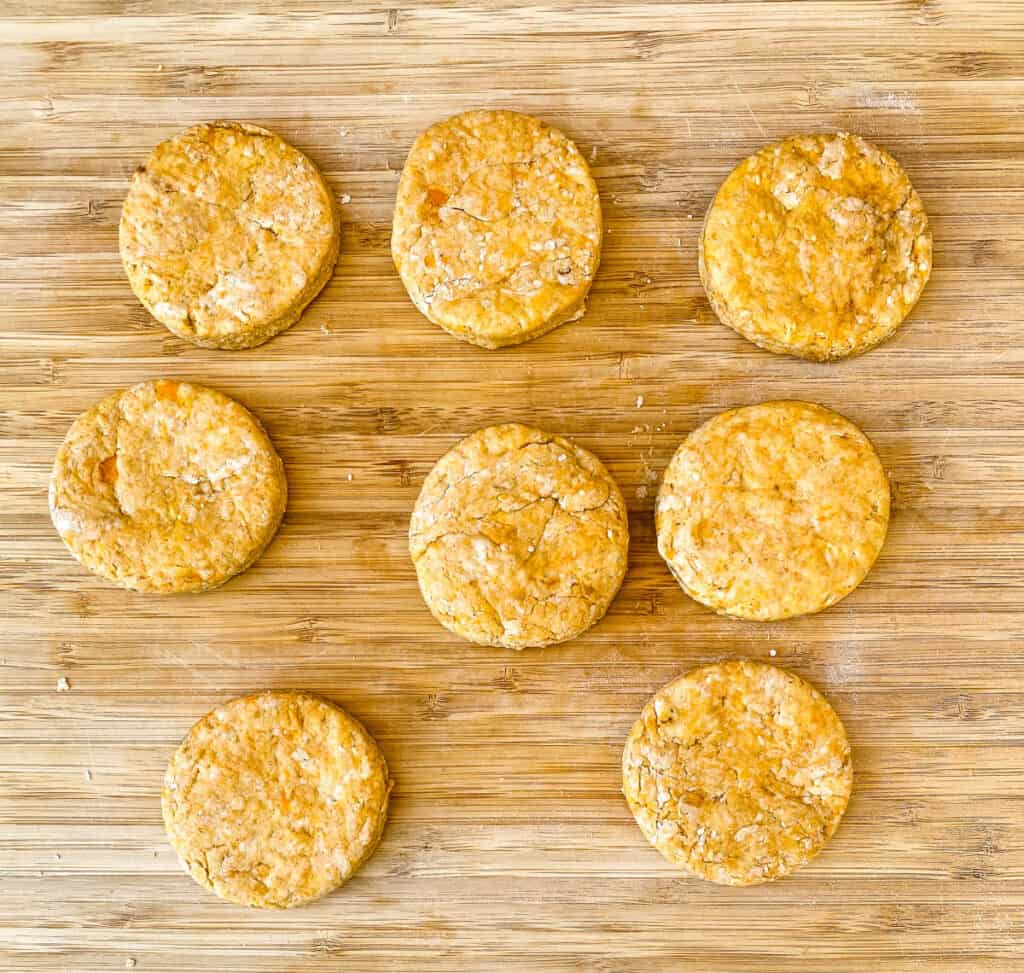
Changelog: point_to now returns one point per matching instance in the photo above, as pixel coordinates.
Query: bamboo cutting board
(509, 845)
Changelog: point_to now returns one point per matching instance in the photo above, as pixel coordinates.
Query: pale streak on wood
(510, 847)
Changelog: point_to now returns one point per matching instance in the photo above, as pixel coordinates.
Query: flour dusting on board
(845, 665)
(896, 101)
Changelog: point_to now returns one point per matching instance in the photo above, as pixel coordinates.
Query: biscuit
(816, 246)
(227, 233)
(738, 772)
(497, 229)
(519, 538)
(167, 487)
(275, 799)
(773, 510)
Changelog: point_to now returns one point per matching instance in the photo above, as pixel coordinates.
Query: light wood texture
(510, 847)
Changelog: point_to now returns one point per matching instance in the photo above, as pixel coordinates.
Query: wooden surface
(509, 846)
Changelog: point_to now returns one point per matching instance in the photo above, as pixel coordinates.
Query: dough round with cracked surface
(772, 510)
(227, 233)
(817, 246)
(519, 538)
(167, 487)
(738, 772)
(275, 799)
(497, 229)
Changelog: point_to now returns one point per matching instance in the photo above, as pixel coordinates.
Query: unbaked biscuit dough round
(772, 510)
(497, 229)
(227, 233)
(519, 538)
(817, 246)
(167, 487)
(275, 799)
(737, 772)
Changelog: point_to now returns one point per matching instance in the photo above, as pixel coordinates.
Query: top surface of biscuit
(738, 772)
(519, 538)
(497, 229)
(773, 510)
(817, 246)
(167, 487)
(275, 799)
(227, 233)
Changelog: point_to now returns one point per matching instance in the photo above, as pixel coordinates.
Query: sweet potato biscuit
(773, 510)
(737, 772)
(167, 487)
(227, 233)
(497, 230)
(275, 799)
(519, 538)
(817, 246)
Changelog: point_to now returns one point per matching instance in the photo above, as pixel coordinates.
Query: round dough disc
(497, 230)
(227, 233)
(275, 799)
(519, 538)
(773, 510)
(738, 772)
(167, 487)
(817, 246)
